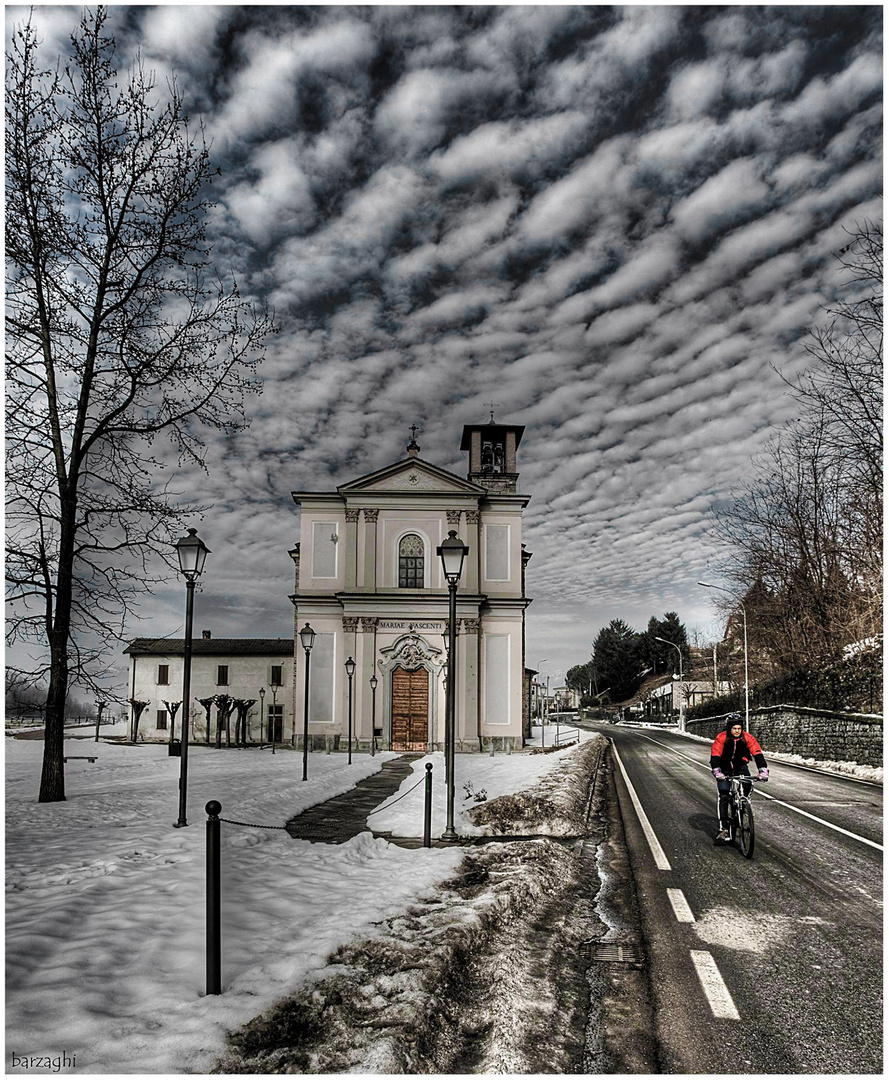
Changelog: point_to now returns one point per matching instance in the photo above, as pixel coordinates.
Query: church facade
(370, 584)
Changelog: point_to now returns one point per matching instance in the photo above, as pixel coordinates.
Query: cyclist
(732, 749)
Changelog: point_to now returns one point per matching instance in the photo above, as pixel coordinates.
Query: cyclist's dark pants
(724, 787)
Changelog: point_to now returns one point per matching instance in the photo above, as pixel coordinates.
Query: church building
(370, 584)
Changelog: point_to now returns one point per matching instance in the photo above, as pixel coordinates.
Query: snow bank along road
(781, 953)
(489, 972)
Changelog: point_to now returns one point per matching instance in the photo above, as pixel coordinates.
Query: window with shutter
(163, 674)
(222, 675)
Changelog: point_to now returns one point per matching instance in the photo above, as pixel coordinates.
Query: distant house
(664, 700)
(232, 667)
(566, 699)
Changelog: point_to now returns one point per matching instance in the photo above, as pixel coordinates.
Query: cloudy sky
(616, 223)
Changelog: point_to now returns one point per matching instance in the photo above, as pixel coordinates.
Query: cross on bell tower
(413, 447)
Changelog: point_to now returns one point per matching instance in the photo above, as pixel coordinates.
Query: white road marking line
(714, 987)
(771, 798)
(681, 909)
(660, 859)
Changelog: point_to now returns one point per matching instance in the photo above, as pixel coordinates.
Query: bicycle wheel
(746, 834)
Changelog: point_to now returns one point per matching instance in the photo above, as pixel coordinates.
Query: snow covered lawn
(105, 900)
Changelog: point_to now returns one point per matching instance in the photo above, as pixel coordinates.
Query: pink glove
(719, 774)
(763, 774)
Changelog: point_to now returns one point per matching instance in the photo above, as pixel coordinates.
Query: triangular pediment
(412, 474)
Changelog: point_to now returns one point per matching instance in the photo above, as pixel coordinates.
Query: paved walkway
(344, 816)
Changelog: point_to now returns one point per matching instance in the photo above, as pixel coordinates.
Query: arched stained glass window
(410, 562)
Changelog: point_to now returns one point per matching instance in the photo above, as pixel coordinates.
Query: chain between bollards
(427, 817)
(214, 905)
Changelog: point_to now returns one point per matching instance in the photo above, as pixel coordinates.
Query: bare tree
(808, 531)
(115, 337)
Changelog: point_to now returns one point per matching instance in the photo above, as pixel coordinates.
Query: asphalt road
(767, 965)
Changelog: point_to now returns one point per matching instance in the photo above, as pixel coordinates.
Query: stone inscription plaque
(390, 624)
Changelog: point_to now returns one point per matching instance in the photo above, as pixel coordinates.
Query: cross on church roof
(413, 447)
(492, 405)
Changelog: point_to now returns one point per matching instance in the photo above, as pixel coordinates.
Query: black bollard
(427, 819)
(214, 915)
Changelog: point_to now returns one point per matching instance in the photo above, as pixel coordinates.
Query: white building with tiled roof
(236, 668)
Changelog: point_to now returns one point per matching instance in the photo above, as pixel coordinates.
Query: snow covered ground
(105, 900)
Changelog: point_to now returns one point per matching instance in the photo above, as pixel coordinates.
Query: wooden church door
(410, 709)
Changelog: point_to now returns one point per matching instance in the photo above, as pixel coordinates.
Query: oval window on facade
(410, 562)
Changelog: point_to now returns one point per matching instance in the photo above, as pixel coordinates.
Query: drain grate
(617, 952)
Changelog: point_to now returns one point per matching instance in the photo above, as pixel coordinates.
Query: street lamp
(452, 552)
(546, 711)
(722, 588)
(539, 684)
(274, 718)
(261, 717)
(192, 554)
(373, 715)
(307, 637)
(673, 645)
(350, 671)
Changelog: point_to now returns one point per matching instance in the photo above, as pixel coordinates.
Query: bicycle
(741, 826)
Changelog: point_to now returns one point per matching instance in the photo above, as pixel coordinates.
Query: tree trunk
(52, 779)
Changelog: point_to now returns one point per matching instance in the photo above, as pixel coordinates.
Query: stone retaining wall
(811, 733)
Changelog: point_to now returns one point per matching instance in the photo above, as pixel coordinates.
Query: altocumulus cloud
(617, 223)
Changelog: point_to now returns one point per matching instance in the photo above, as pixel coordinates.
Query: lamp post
(192, 554)
(307, 637)
(721, 588)
(261, 717)
(350, 671)
(539, 685)
(274, 718)
(446, 639)
(373, 714)
(673, 645)
(100, 705)
(452, 552)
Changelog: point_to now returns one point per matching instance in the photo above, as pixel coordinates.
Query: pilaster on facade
(474, 558)
(294, 554)
(469, 642)
(352, 548)
(369, 581)
(453, 517)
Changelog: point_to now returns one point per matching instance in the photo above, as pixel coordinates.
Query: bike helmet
(732, 719)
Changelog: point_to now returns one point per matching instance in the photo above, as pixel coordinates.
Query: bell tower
(492, 454)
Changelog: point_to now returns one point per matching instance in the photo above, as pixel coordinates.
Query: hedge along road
(766, 965)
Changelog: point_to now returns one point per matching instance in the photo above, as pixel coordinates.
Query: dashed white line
(720, 999)
(660, 859)
(681, 909)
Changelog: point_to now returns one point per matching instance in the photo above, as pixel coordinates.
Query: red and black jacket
(731, 755)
